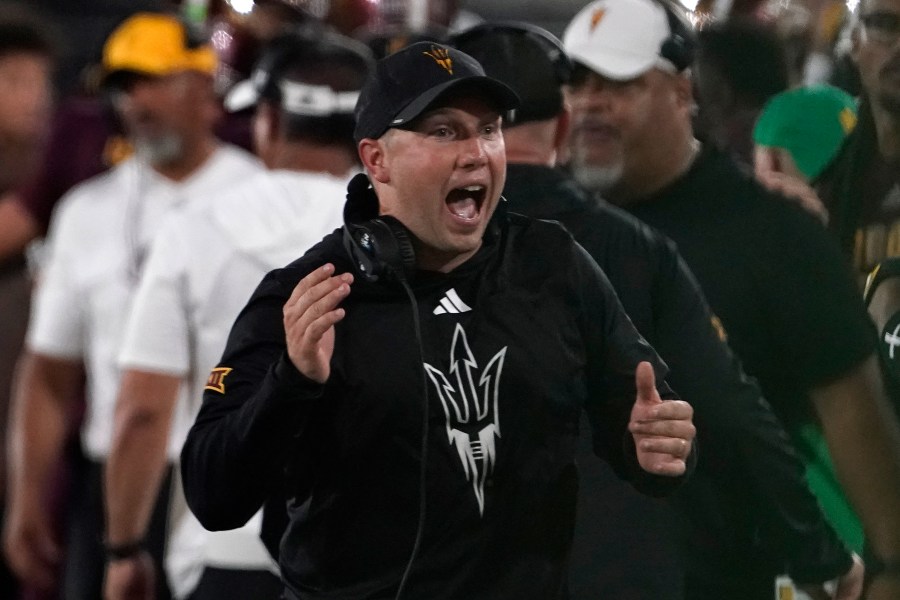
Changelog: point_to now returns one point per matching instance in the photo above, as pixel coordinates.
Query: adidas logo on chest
(451, 303)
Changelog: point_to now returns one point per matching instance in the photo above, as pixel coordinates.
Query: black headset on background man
(553, 48)
(680, 48)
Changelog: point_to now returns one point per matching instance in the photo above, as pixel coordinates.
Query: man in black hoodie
(421, 372)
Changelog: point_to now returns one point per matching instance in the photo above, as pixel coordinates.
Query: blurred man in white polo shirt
(200, 272)
(160, 78)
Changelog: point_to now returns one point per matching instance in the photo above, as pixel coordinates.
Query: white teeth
(474, 188)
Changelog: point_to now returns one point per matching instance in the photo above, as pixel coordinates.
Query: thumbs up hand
(663, 431)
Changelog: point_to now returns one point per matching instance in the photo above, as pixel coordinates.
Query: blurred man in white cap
(769, 270)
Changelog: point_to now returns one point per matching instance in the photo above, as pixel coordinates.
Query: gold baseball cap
(155, 44)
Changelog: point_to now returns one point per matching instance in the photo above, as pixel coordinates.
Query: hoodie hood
(278, 215)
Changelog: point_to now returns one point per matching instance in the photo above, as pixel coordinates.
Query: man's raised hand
(663, 431)
(309, 317)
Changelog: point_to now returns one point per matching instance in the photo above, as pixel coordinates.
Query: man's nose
(472, 153)
(593, 95)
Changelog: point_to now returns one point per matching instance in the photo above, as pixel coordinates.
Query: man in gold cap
(160, 79)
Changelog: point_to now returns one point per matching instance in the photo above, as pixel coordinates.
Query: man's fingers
(309, 315)
(668, 411)
(316, 298)
(645, 381)
(322, 306)
(678, 448)
(312, 287)
(317, 329)
(314, 278)
(682, 430)
(325, 304)
(662, 464)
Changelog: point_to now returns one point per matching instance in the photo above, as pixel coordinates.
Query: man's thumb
(645, 380)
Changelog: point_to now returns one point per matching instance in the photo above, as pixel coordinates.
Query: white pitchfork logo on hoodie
(470, 405)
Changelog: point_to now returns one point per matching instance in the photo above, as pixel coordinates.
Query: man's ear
(373, 156)
(563, 128)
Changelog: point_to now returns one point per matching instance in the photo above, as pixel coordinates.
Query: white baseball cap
(620, 39)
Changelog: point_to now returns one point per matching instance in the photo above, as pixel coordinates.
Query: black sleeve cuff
(289, 378)
(650, 483)
(284, 402)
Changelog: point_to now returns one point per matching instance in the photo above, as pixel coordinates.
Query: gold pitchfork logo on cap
(442, 57)
(597, 17)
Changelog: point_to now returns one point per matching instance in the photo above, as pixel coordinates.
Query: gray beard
(597, 179)
(159, 151)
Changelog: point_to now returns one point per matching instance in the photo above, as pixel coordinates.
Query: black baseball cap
(527, 58)
(309, 71)
(407, 82)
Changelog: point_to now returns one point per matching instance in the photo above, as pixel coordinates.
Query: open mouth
(465, 203)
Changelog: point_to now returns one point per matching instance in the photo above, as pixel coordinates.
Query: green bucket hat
(809, 122)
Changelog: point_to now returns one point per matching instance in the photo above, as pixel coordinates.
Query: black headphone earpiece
(380, 246)
(681, 46)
